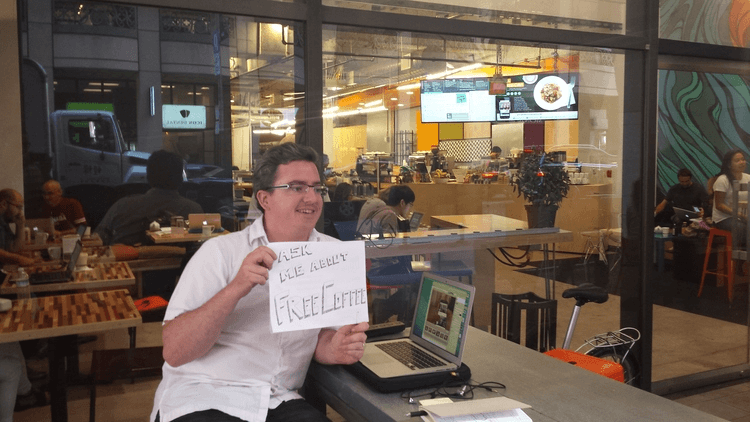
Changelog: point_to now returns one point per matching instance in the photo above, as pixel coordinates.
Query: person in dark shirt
(11, 211)
(128, 219)
(685, 194)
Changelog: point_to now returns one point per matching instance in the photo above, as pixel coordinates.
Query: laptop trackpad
(378, 358)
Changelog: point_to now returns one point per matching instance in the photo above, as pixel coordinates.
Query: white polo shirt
(249, 369)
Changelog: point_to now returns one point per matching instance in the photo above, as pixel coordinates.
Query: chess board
(78, 313)
(101, 275)
(93, 240)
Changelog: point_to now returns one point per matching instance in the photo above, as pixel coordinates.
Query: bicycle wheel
(629, 365)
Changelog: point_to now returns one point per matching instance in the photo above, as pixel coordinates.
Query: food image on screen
(551, 93)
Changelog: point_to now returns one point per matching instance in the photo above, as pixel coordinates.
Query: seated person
(223, 363)
(67, 213)
(685, 194)
(343, 192)
(129, 218)
(381, 215)
(11, 211)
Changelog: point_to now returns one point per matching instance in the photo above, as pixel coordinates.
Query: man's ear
(262, 197)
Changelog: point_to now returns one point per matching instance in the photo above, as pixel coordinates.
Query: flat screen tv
(544, 96)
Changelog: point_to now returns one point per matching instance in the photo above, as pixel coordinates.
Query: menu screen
(545, 96)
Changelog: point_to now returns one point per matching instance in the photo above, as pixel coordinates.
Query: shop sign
(183, 117)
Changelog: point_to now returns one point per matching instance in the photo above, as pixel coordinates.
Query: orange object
(728, 272)
(150, 303)
(601, 366)
(124, 252)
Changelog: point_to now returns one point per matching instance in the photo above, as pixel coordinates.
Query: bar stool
(728, 272)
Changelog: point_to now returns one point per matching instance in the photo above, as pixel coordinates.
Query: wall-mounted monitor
(544, 96)
(456, 101)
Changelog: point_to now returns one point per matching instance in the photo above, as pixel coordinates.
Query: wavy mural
(701, 116)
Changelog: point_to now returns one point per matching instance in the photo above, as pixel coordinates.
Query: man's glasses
(302, 188)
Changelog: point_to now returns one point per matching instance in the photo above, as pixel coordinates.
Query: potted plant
(543, 183)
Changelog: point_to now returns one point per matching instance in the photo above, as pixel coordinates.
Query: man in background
(128, 219)
(67, 213)
(11, 211)
(685, 194)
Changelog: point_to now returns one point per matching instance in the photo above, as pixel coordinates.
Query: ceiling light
(408, 87)
(373, 103)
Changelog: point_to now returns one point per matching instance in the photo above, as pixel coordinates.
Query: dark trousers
(293, 410)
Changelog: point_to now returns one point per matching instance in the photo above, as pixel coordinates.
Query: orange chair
(728, 272)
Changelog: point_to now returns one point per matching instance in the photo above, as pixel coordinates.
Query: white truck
(87, 147)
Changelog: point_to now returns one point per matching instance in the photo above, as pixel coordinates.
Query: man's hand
(254, 269)
(25, 262)
(343, 346)
(20, 221)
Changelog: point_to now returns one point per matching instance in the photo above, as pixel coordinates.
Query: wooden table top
(93, 240)
(163, 237)
(101, 275)
(79, 313)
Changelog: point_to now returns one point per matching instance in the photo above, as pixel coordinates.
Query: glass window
(590, 16)
(427, 111)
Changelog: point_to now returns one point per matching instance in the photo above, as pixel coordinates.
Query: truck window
(92, 134)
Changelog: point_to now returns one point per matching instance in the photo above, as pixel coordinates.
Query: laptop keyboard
(410, 355)
(48, 277)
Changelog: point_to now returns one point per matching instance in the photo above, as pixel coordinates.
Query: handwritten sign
(317, 284)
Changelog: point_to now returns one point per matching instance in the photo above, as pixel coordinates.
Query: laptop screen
(442, 314)
(416, 218)
(74, 256)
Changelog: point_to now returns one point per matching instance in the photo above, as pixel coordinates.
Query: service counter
(586, 208)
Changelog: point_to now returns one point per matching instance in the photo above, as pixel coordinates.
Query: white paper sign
(317, 285)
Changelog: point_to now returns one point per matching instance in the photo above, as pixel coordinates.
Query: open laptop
(62, 275)
(41, 224)
(438, 332)
(686, 215)
(196, 221)
(415, 221)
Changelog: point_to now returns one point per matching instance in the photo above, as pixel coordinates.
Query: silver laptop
(438, 332)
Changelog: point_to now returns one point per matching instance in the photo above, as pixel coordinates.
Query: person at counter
(388, 213)
(732, 168)
(685, 194)
(223, 363)
(11, 209)
(128, 219)
(67, 213)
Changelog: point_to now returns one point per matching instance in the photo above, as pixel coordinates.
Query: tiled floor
(126, 402)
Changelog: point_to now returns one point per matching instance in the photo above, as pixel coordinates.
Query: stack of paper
(499, 409)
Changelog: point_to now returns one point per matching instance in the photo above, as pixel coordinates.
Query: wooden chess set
(101, 275)
(54, 316)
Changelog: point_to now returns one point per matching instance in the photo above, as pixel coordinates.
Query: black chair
(541, 319)
(109, 365)
(95, 200)
(340, 212)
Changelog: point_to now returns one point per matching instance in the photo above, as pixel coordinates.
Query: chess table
(93, 240)
(101, 275)
(78, 313)
(59, 317)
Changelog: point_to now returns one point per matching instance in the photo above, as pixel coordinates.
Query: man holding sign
(223, 361)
